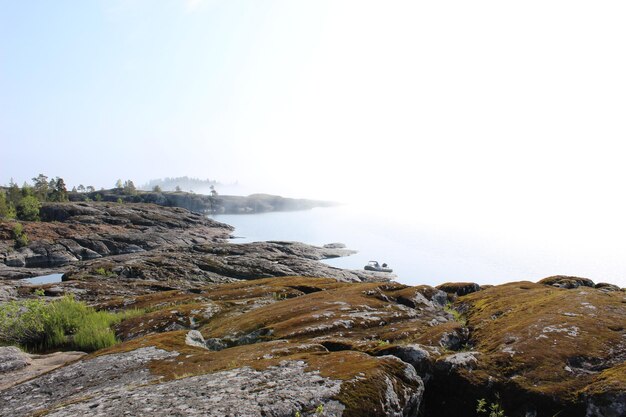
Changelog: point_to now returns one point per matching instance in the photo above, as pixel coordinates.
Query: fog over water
(423, 253)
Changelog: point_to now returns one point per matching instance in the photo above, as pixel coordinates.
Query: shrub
(66, 323)
(22, 323)
(28, 208)
(20, 237)
(104, 272)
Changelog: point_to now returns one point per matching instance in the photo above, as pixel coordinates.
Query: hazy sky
(485, 113)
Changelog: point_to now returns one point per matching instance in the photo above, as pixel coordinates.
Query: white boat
(375, 266)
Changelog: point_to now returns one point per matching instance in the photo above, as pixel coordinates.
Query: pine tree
(41, 187)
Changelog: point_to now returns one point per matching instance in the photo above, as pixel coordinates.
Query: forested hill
(217, 204)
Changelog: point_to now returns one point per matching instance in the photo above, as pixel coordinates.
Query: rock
(563, 281)
(16, 259)
(423, 297)
(334, 246)
(607, 287)
(92, 377)
(562, 348)
(464, 360)
(195, 338)
(83, 231)
(79, 251)
(120, 383)
(12, 359)
(7, 293)
(407, 402)
(25, 366)
(416, 355)
(459, 288)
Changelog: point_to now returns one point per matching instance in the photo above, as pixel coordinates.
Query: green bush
(61, 324)
(23, 323)
(20, 237)
(28, 208)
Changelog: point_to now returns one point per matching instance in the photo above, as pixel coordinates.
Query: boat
(375, 266)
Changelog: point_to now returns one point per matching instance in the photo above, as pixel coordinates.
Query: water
(417, 255)
(420, 253)
(44, 279)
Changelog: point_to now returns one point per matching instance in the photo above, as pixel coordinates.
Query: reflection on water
(44, 279)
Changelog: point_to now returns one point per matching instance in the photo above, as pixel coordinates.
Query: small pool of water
(44, 279)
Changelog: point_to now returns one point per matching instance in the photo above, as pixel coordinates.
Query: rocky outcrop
(309, 381)
(354, 349)
(17, 366)
(458, 288)
(543, 349)
(71, 232)
(126, 242)
(563, 281)
(266, 329)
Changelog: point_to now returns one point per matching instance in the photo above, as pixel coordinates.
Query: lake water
(44, 279)
(418, 253)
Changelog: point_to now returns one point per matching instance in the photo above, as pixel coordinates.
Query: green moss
(534, 333)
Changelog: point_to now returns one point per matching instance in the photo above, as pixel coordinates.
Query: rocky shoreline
(265, 329)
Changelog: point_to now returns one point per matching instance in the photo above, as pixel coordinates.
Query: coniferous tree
(14, 195)
(41, 187)
(129, 188)
(58, 190)
(4, 207)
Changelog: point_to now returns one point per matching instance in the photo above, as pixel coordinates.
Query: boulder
(12, 359)
(563, 281)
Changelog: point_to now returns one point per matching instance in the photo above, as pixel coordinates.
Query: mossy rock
(545, 344)
(563, 281)
(459, 288)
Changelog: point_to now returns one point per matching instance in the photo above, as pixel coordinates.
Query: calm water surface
(417, 254)
(44, 279)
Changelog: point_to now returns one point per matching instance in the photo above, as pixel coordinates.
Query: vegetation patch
(37, 325)
(21, 239)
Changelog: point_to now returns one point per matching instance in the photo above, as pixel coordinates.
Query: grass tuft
(37, 325)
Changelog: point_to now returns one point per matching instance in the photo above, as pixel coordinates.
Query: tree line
(24, 203)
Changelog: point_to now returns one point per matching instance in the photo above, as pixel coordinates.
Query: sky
(486, 115)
